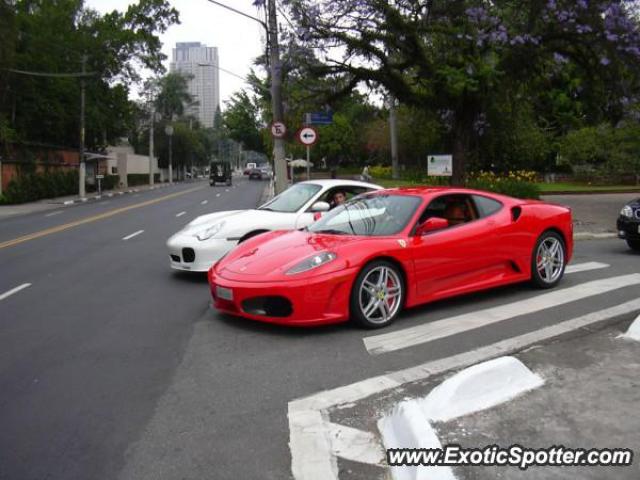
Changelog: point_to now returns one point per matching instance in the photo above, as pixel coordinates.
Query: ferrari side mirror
(431, 224)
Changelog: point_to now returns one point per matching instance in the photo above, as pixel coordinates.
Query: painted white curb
(633, 333)
(473, 389)
(479, 387)
(593, 236)
(408, 427)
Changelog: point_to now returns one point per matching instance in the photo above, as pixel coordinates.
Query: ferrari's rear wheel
(634, 244)
(548, 260)
(377, 295)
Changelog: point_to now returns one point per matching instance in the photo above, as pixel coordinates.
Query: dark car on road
(255, 174)
(629, 224)
(220, 172)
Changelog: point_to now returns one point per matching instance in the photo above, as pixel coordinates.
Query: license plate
(224, 293)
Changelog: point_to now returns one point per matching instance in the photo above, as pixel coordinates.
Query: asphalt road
(112, 366)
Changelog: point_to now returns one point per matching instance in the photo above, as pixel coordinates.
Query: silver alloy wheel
(550, 259)
(380, 295)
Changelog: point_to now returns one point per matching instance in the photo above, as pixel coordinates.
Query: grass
(577, 187)
(544, 187)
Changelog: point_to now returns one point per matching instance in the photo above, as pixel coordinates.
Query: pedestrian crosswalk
(430, 331)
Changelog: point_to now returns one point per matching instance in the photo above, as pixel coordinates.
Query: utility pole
(395, 174)
(280, 165)
(82, 170)
(151, 163)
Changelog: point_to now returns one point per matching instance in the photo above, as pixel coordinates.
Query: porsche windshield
(293, 198)
(372, 215)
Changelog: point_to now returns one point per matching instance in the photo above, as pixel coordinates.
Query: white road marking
(227, 190)
(584, 267)
(14, 290)
(311, 453)
(408, 337)
(217, 194)
(68, 202)
(180, 214)
(134, 234)
(53, 213)
(204, 202)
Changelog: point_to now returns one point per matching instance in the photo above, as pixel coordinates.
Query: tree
(454, 57)
(173, 99)
(241, 119)
(54, 36)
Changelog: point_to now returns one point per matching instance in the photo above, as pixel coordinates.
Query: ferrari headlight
(210, 232)
(627, 211)
(312, 262)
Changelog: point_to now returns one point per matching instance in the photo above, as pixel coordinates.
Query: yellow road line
(95, 218)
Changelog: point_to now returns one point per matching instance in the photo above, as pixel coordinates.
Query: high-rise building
(201, 64)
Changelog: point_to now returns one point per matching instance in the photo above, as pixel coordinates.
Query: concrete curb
(633, 333)
(106, 194)
(593, 235)
(267, 193)
(473, 389)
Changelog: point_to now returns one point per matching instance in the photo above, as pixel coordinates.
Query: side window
(486, 206)
(347, 194)
(456, 209)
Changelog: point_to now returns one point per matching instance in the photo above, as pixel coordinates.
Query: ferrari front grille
(272, 306)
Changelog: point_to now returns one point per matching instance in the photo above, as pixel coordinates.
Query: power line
(53, 75)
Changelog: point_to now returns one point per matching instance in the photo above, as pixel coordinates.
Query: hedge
(36, 186)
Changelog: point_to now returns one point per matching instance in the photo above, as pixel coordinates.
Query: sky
(239, 39)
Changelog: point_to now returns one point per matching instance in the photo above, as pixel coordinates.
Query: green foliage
(241, 120)
(31, 187)
(53, 37)
(135, 179)
(173, 96)
(603, 149)
(518, 184)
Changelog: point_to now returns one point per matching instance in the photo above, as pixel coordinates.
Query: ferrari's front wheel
(377, 295)
(548, 260)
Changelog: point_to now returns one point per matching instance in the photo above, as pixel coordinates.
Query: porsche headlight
(627, 211)
(312, 262)
(210, 232)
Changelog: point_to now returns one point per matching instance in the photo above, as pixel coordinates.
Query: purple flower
(605, 61)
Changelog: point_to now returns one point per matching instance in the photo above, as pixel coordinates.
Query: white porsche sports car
(207, 238)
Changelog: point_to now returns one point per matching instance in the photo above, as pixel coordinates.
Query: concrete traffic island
(473, 389)
(633, 332)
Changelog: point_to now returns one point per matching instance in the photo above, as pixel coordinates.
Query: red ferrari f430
(387, 250)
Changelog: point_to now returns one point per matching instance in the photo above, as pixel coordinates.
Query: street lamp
(169, 131)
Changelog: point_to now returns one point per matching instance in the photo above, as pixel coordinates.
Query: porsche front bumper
(188, 253)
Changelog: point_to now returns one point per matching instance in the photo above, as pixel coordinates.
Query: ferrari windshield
(371, 215)
(293, 198)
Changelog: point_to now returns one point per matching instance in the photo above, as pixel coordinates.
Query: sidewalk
(594, 215)
(52, 203)
(589, 400)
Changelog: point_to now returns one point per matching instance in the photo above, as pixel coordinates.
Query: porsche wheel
(634, 244)
(377, 295)
(548, 260)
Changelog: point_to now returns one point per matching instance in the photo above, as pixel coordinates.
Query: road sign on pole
(278, 130)
(318, 118)
(307, 136)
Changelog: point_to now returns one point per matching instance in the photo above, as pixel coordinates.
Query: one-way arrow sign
(307, 136)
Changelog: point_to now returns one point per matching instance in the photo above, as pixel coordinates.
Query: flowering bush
(519, 183)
